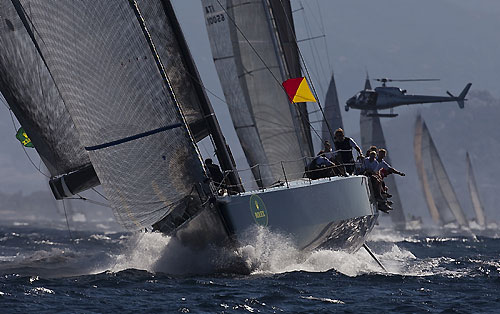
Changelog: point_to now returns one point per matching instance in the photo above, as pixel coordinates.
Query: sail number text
(260, 214)
(216, 18)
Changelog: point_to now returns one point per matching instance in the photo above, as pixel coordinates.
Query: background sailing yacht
(438, 191)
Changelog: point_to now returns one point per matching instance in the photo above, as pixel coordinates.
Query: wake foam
(265, 252)
(260, 251)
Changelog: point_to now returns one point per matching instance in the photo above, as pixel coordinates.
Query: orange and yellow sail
(298, 90)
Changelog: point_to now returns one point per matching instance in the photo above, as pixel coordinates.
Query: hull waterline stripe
(133, 137)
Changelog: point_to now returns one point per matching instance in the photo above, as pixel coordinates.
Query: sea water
(436, 270)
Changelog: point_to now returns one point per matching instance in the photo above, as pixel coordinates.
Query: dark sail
(116, 89)
(32, 96)
(333, 117)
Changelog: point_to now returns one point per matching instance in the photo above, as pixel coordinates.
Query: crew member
(382, 164)
(370, 163)
(344, 146)
(327, 151)
(214, 172)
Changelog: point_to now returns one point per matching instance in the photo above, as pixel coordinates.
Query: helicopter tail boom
(461, 98)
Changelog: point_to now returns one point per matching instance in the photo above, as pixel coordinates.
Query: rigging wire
(324, 37)
(67, 224)
(314, 50)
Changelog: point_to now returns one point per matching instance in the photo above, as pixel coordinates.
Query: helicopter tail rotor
(461, 98)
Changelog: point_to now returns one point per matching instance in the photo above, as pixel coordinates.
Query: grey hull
(334, 212)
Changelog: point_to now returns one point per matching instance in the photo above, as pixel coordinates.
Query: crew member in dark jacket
(214, 172)
(344, 146)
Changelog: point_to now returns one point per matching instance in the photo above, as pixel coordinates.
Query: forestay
(34, 99)
(114, 87)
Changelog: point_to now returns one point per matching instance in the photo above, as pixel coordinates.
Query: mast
(281, 25)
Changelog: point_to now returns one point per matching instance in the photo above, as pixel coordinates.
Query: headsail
(332, 113)
(246, 41)
(372, 134)
(32, 96)
(115, 88)
(474, 194)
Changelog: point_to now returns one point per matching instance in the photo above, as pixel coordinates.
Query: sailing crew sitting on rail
(214, 172)
(370, 163)
(382, 164)
(345, 145)
(327, 151)
(373, 147)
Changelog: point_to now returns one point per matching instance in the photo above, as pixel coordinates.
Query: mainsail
(372, 134)
(474, 194)
(114, 85)
(251, 65)
(444, 197)
(332, 113)
(32, 96)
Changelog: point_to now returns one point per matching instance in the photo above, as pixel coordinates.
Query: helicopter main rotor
(385, 80)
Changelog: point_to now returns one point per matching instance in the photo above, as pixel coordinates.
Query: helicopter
(388, 97)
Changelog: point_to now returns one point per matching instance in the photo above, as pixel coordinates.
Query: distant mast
(474, 194)
(332, 112)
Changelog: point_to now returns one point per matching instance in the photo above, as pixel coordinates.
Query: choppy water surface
(429, 271)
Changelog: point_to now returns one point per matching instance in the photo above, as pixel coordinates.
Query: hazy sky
(454, 40)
